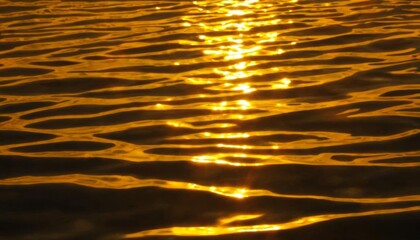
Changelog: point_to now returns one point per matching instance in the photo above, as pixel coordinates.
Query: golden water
(227, 119)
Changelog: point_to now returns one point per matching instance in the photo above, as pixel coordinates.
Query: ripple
(14, 72)
(13, 137)
(64, 146)
(55, 63)
(66, 85)
(22, 107)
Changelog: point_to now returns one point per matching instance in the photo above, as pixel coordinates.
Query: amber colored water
(210, 119)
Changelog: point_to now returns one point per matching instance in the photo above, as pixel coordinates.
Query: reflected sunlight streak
(228, 37)
(226, 230)
(129, 182)
(219, 160)
(240, 43)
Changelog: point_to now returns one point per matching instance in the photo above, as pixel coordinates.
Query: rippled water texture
(209, 119)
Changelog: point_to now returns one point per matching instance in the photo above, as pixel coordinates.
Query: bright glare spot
(260, 228)
(178, 124)
(235, 75)
(244, 104)
(236, 218)
(240, 26)
(215, 160)
(226, 136)
(283, 84)
(238, 105)
(240, 155)
(243, 147)
(240, 193)
(272, 35)
(203, 159)
(244, 87)
(236, 13)
(240, 66)
(173, 124)
(232, 55)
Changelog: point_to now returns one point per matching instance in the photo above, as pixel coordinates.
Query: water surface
(209, 119)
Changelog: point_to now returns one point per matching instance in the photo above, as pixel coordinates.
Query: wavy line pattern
(172, 119)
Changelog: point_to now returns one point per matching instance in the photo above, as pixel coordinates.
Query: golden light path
(228, 37)
(225, 230)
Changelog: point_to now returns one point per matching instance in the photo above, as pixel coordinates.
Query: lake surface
(210, 119)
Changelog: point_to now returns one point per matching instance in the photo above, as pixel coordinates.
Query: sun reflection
(230, 192)
(283, 83)
(237, 13)
(234, 105)
(238, 43)
(226, 135)
(236, 218)
(160, 106)
(224, 229)
(244, 147)
(178, 124)
(244, 87)
(221, 159)
(215, 160)
(229, 35)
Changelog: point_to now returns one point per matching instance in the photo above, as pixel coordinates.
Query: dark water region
(210, 119)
